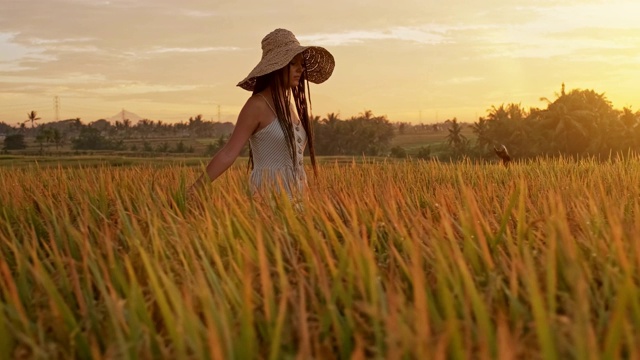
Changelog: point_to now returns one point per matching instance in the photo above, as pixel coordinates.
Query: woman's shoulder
(257, 108)
(257, 102)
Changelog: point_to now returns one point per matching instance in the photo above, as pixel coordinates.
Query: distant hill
(124, 114)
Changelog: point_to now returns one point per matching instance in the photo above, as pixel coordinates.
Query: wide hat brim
(319, 64)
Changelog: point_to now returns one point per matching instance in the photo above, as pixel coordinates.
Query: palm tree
(195, 125)
(367, 114)
(327, 135)
(626, 127)
(481, 129)
(126, 127)
(33, 117)
(628, 118)
(332, 117)
(568, 126)
(160, 127)
(510, 125)
(455, 139)
(57, 138)
(581, 119)
(40, 139)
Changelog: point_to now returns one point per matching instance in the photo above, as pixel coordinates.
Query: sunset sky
(413, 61)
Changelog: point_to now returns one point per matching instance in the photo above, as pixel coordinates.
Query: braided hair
(281, 97)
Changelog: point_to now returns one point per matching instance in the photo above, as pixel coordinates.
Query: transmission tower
(56, 107)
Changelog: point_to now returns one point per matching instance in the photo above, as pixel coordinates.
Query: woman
(277, 129)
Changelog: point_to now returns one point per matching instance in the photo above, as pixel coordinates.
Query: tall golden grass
(386, 260)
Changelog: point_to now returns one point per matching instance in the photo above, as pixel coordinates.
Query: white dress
(273, 168)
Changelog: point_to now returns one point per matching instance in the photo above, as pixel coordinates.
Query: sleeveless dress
(273, 168)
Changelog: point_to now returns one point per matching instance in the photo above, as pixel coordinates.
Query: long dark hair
(281, 100)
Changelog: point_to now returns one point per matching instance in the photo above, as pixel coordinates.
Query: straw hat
(279, 47)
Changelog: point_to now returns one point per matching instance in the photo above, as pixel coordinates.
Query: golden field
(386, 260)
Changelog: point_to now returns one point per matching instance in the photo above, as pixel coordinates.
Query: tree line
(576, 123)
(365, 134)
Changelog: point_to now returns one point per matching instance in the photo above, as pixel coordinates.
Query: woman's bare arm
(248, 122)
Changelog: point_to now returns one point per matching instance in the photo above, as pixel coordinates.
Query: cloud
(163, 50)
(118, 4)
(39, 41)
(611, 14)
(8, 67)
(40, 48)
(544, 47)
(412, 34)
(14, 56)
(198, 13)
(567, 31)
(77, 78)
(151, 48)
(131, 88)
(462, 80)
(10, 49)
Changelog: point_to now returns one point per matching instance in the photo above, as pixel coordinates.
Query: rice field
(393, 260)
